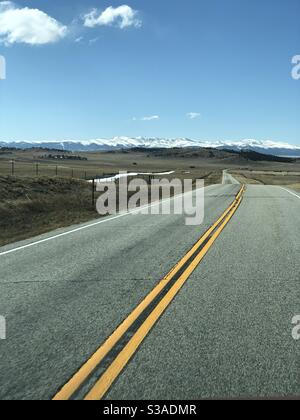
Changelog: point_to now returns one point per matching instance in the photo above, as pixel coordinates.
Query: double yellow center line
(144, 317)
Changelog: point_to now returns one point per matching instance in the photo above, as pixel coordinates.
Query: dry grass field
(289, 179)
(199, 163)
(34, 163)
(39, 193)
(31, 206)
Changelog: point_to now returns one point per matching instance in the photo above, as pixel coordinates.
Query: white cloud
(193, 115)
(28, 26)
(150, 118)
(122, 17)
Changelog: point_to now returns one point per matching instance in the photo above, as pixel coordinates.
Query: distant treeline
(32, 149)
(62, 157)
(6, 150)
(194, 152)
(255, 156)
(46, 149)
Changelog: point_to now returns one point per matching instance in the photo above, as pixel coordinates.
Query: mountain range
(265, 147)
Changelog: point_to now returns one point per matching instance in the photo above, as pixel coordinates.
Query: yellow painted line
(83, 373)
(114, 370)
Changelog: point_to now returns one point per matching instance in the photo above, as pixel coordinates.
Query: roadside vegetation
(32, 206)
(289, 179)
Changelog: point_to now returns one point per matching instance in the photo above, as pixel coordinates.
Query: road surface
(229, 179)
(228, 333)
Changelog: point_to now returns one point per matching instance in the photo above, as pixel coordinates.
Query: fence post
(93, 193)
(37, 169)
(72, 173)
(12, 167)
(56, 170)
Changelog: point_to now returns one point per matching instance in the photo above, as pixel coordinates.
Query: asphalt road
(227, 334)
(228, 178)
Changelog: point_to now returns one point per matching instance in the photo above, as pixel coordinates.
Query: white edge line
(93, 224)
(290, 192)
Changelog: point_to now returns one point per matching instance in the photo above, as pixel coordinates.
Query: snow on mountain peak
(263, 146)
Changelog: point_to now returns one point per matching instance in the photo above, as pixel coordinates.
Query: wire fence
(28, 169)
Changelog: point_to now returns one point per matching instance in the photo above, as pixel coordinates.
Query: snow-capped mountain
(266, 147)
(107, 144)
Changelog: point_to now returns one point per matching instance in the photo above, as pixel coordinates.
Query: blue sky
(100, 75)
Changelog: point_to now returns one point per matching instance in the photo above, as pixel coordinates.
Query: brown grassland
(289, 179)
(39, 194)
